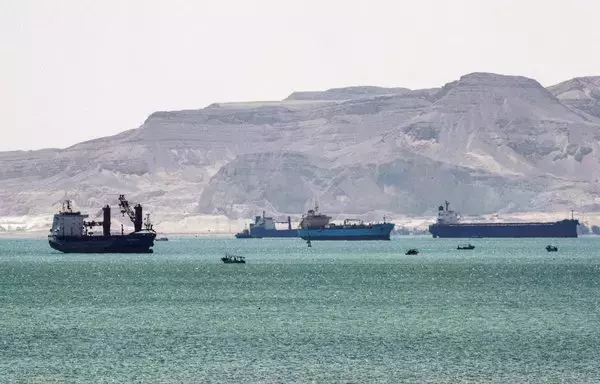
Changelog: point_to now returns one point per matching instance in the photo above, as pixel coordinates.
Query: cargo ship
(71, 233)
(316, 226)
(264, 226)
(448, 225)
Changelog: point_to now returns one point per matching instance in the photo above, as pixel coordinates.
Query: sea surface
(339, 312)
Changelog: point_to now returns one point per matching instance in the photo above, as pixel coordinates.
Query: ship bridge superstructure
(264, 222)
(314, 219)
(68, 222)
(447, 216)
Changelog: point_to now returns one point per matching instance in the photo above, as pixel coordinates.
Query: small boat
(465, 246)
(233, 259)
(161, 239)
(412, 251)
(551, 248)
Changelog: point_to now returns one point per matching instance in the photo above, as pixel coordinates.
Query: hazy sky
(79, 69)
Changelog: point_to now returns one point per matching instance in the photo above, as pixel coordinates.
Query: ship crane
(95, 222)
(135, 213)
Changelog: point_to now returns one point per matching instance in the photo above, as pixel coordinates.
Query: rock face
(486, 142)
(582, 93)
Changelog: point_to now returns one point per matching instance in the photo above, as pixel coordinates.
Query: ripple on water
(337, 312)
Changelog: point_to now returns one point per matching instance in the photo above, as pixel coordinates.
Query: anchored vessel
(551, 248)
(316, 226)
(264, 226)
(448, 225)
(233, 259)
(71, 233)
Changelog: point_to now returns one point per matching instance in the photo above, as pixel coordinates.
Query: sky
(73, 70)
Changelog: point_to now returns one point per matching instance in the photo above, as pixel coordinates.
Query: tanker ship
(316, 226)
(448, 225)
(71, 233)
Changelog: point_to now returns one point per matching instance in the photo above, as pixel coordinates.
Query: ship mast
(148, 222)
(66, 206)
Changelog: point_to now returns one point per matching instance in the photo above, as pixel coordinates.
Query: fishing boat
(233, 259)
(465, 246)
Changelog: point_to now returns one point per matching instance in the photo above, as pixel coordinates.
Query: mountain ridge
(486, 142)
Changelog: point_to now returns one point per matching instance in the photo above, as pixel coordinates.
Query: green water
(345, 312)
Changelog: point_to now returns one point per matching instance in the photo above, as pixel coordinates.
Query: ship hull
(260, 232)
(374, 232)
(137, 242)
(563, 228)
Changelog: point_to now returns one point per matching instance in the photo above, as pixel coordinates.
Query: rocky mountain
(486, 142)
(582, 93)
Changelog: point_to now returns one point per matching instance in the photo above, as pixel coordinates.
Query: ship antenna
(572, 217)
(447, 204)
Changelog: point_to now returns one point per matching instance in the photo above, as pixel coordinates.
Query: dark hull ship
(71, 233)
(448, 225)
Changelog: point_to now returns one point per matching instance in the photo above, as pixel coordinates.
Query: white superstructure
(446, 216)
(264, 221)
(67, 222)
(314, 219)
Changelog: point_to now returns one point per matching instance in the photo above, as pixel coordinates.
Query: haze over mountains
(485, 142)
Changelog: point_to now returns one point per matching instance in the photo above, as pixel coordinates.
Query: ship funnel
(106, 220)
(137, 223)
